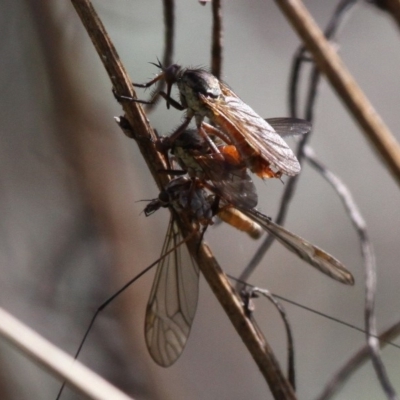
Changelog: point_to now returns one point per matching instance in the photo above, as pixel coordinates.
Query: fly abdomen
(238, 220)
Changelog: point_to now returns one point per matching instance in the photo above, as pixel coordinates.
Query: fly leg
(166, 143)
(171, 101)
(212, 130)
(204, 135)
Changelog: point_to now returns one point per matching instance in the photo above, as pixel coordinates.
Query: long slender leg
(212, 130)
(207, 138)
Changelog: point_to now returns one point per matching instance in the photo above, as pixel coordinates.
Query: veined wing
(310, 253)
(173, 301)
(283, 126)
(260, 135)
(287, 127)
(246, 125)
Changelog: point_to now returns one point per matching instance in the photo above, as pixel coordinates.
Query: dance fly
(260, 147)
(173, 299)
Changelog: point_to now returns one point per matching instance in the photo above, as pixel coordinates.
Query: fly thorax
(194, 82)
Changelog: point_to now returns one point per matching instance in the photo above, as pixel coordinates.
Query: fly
(173, 299)
(260, 147)
(223, 172)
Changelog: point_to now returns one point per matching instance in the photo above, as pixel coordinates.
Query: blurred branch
(369, 266)
(390, 6)
(332, 66)
(215, 277)
(216, 47)
(58, 363)
(300, 58)
(329, 62)
(355, 362)
(169, 33)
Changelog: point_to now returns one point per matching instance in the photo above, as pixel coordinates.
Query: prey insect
(193, 157)
(225, 170)
(173, 299)
(260, 147)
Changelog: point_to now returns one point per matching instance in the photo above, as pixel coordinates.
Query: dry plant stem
(123, 86)
(344, 193)
(290, 342)
(216, 49)
(169, 33)
(58, 363)
(355, 362)
(299, 60)
(369, 266)
(143, 133)
(391, 6)
(331, 65)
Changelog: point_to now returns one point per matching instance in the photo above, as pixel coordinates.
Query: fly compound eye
(171, 73)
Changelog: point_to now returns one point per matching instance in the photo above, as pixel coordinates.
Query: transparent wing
(254, 130)
(173, 301)
(286, 127)
(313, 255)
(260, 135)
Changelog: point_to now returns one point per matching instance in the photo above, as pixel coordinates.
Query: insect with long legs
(225, 169)
(173, 298)
(260, 147)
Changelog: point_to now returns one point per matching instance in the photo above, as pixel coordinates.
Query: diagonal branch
(45, 354)
(144, 135)
(216, 46)
(344, 84)
(355, 362)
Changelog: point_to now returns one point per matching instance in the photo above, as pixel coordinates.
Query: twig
(252, 292)
(215, 277)
(216, 47)
(332, 66)
(355, 362)
(169, 33)
(369, 267)
(329, 62)
(58, 363)
(299, 58)
(390, 6)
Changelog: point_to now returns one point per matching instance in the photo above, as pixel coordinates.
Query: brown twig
(300, 58)
(216, 47)
(215, 277)
(328, 62)
(169, 33)
(57, 362)
(344, 84)
(390, 6)
(253, 292)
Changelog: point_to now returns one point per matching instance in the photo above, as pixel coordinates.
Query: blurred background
(72, 185)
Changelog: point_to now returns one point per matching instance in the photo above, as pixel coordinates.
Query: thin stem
(328, 61)
(256, 344)
(216, 47)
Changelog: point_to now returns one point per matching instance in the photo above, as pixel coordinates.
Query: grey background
(72, 230)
